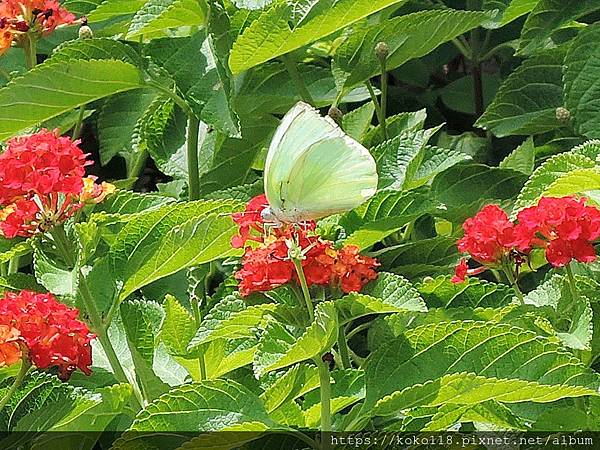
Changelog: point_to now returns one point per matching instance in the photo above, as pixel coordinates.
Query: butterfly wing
(314, 169)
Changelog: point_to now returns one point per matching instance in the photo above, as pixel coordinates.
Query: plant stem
(198, 320)
(572, 282)
(478, 88)
(13, 264)
(343, 348)
(292, 70)
(325, 383)
(357, 330)
(97, 325)
(172, 95)
(463, 48)
(384, 95)
(304, 286)
(513, 282)
(192, 158)
(79, 124)
(30, 49)
(378, 110)
(139, 165)
(25, 365)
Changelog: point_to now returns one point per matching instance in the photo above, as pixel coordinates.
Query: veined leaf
(270, 35)
(178, 328)
(395, 290)
(278, 348)
(163, 241)
(410, 36)
(294, 383)
(547, 17)
(53, 88)
(218, 405)
(475, 293)
(521, 159)
(127, 202)
(159, 15)
(110, 9)
(550, 172)
(464, 359)
(581, 87)
(508, 10)
(231, 318)
(527, 100)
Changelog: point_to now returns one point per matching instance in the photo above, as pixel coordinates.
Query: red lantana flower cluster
(47, 332)
(43, 183)
(268, 265)
(564, 227)
(18, 17)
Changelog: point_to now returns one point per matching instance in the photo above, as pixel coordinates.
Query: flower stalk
(192, 158)
(25, 366)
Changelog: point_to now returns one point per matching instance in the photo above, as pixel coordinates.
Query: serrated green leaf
(426, 257)
(357, 122)
(410, 36)
(395, 290)
(475, 293)
(53, 88)
(294, 383)
(521, 159)
(507, 10)
(550, 172)
(127, 202)
(159, 15)
(178, 328)
(547, 17)
(465, 188)
(163, 241)
(581, 87)
(231, 318)
(278, 348)
(110, 9)
(270, 35)
(469, 362)
(527, 100)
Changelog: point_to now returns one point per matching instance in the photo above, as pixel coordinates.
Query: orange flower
(10, 352)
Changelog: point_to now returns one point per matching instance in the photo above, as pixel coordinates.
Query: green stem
(192, 158)
(292, 70)
(325, 383)
(172, 95)
(384, 95)
(30, 49)
(343, 348)
(572, 282)
(14, 264)
(357, 330)
(139, 165)
(79, 124)
(25, 365)
(97, 325)
(463, 48)
(378, 110)
(198, 321)
(4, 269)
(304, 286)
(513, 282)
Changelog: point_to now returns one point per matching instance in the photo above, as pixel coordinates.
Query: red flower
(488, 236)
(10, 351)
(460, 272)
(42, 17)
(565, 227)
(42, 183)
(50, 330)
(269, 265)
(353, 270)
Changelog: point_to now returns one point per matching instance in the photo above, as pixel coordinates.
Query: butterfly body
(313, 169)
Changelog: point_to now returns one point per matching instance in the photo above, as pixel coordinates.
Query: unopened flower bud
(336, 114)
(85, 32)
(382, 50)
(563, 114)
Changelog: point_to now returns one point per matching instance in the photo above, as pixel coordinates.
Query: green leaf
(434, 161)
(527, 100)
(231, 318)
(508, 10)
(579, 181)
(357, 122)
(142, 321)
(522, 159)
(383, 215)
(127, 203)
(160, 15)
(395, 290)
(201, 80)
(426, 257)
(56, 87)
(218, 405)
(294, 383)
(547, 17)
(469, 362)
(475, 293)
(178, 328)
(110, 9)
(163, 241)
(410, 36)
(550, 172)
(270, 35)
(117, 122)
(581, 86)
(355, 306)
(465, 188)
(278, 348)
(81, 7)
